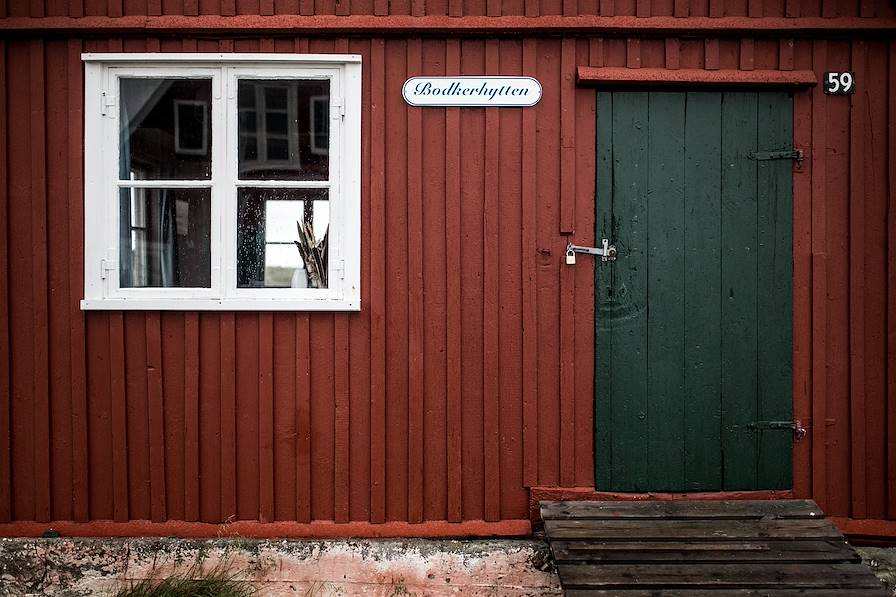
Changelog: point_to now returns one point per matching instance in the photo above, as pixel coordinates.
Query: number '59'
(839, 83)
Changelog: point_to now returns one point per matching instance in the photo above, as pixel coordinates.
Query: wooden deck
(703, 548)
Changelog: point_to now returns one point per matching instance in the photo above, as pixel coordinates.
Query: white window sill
(236, 304)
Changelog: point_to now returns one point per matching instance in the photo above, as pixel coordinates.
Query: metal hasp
(607, 252)
(794, 154)
(799, 432)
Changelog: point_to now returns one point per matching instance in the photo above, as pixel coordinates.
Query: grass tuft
(193, 582)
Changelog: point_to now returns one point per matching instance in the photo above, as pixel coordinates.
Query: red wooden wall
(455, 8)
(468, 375)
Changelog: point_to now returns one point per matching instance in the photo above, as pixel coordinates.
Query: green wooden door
(693, 342)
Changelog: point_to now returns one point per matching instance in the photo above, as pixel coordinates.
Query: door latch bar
(799, 432)
(606, 252)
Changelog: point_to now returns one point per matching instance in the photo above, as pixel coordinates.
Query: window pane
(282, 238)
(165, 129)
(284, 129)
(165, 238)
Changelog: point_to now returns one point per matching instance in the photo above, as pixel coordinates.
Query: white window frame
(101, 209)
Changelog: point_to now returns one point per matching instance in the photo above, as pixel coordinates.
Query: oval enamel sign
(506, 92)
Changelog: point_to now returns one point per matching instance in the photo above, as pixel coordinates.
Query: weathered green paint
(628, 343)
(694, 318)
(775, 264)
(666, 223)
(702, 279)
(739, 290)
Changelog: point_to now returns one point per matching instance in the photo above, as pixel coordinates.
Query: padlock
(570, 256)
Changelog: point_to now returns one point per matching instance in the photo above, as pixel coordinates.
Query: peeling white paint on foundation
(75, 567)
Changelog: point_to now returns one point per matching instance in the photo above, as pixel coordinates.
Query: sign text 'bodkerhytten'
(507, 92)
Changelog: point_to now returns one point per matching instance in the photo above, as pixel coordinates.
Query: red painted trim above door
(694, 77)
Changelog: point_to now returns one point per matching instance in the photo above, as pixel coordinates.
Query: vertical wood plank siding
(454, 8)
(467, 376)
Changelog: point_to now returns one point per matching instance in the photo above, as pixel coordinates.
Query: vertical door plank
(738, 290)
(39, 283)
(156, 416)
(436, 268)
(228, 417)
(491, 310)
(265, 417)
(711, 54)
(774, 313)
(567, 136)
(673, 53)
(415, 293)
(397, 286)
(819, 283)
(58, 249)
(245, 438)
(583, 311)
(603, 365)
(857, 281)
(471, 199)
(891, 290)
(530, 328)
(341, 387)
(191, 416)
(378, 230)
(209, 416)
(665, 314)
(303, 417)
(118, 418)
(77, 337)
(802, 295)
(627, 316)
(454, 406)
(567, 280)
(342, 416)
(284, 413)
(701, 311)
(5, 427)
(341, 372)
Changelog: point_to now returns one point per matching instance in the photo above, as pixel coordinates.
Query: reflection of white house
(319, 117)
(269, 135)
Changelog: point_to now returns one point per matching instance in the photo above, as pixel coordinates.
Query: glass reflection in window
(165, 129)
(165, 238)
(283, 129)
(282, 238)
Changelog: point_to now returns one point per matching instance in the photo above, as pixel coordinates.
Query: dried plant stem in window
(313, 253)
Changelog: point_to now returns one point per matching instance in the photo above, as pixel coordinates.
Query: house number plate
(839, 83)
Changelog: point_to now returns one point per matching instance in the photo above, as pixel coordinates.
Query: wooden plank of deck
(711, 549)
(715, 575)
(671, 551)
(691, 530)
(692, 592)
(734, 509)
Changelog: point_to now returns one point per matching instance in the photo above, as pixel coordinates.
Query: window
(227, 182)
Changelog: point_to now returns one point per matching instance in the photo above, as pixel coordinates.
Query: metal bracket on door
(799, 432)
(606, 252)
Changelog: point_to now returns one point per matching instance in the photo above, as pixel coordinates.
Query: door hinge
(339, 268)
(337, 104)
(107, 265)
(107, 103)
(793, 154)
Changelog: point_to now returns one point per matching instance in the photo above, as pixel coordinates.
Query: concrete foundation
(76, 567)
(882, 562)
